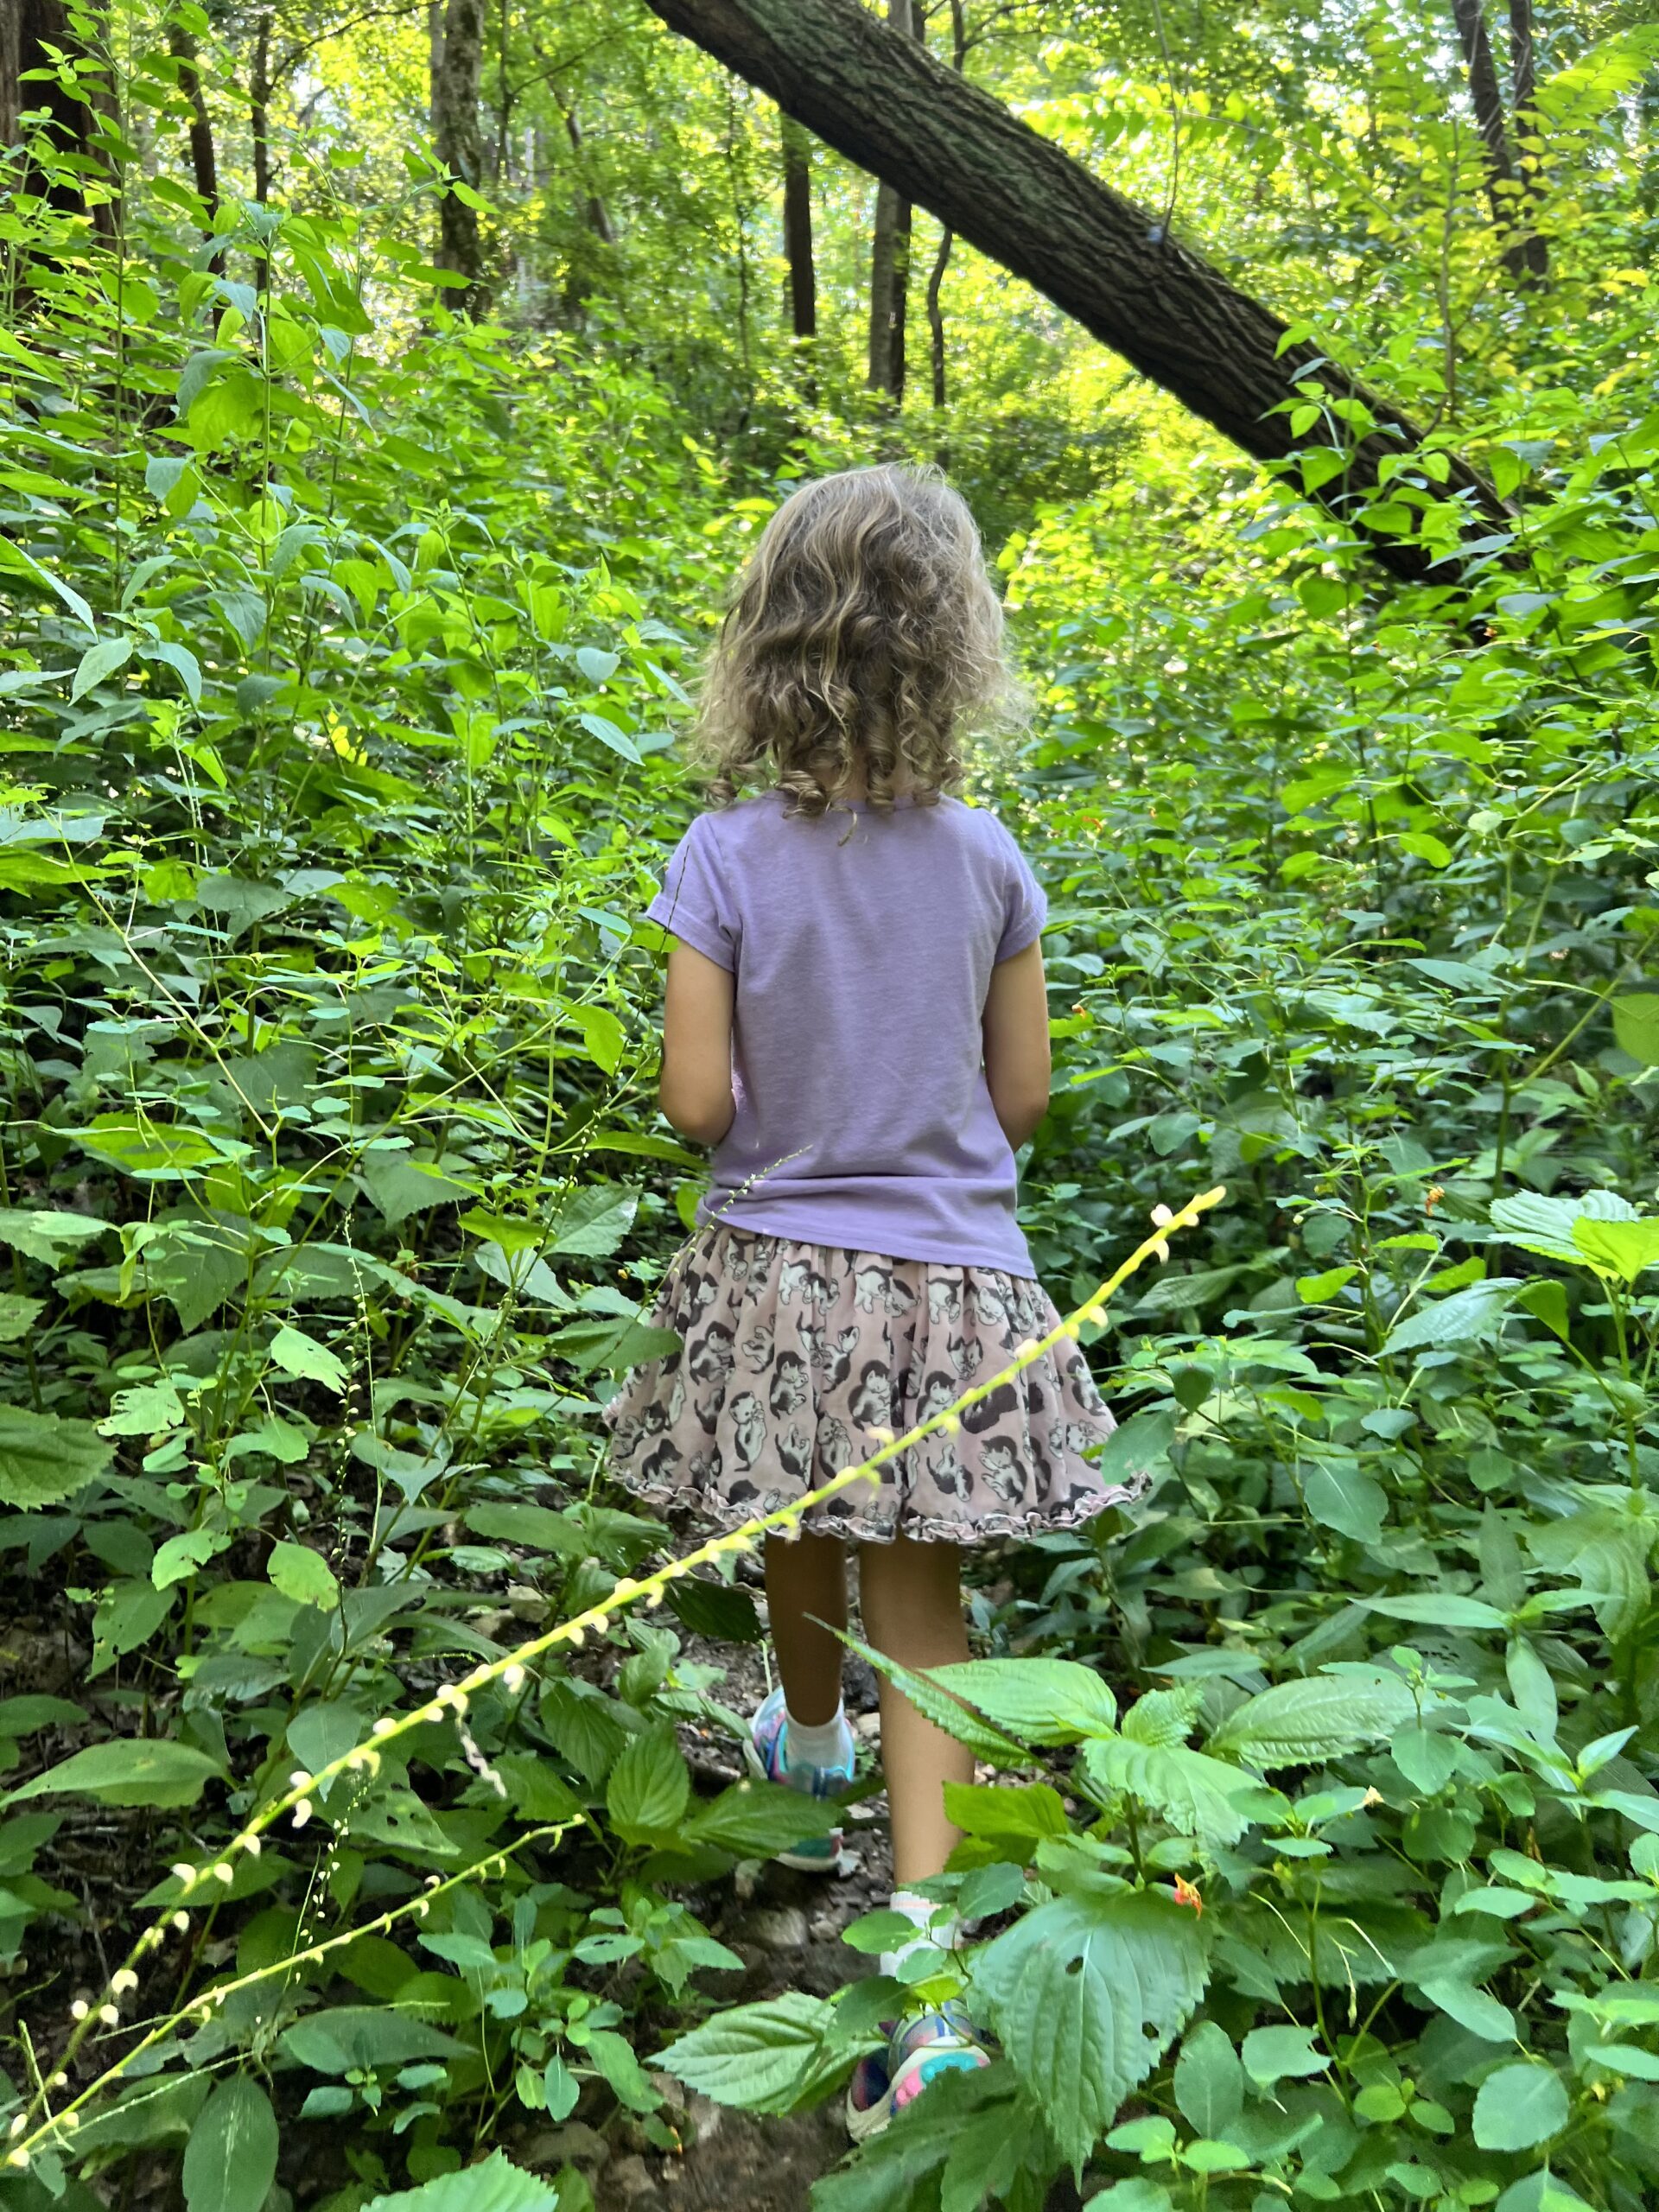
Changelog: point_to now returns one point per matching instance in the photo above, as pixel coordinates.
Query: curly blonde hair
(864, 634)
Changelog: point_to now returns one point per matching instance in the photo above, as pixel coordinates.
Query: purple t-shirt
(862, 952)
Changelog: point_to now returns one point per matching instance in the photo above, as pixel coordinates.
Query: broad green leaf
(1305, 1723)
(400, 1185)
(945, 1712)
(1472, 2008)
(1439, 1608)
(230, 2161)
(720, 1610)
(45, 1457)
(47, 1235)
(755, 1819)
(1520, 2106)
(128, 1613)
(602, 1033)
(1545, 1225)
(613, 1344)
(128, 1770)
(1466, 1317)
(1196, 1794)
(304, 1575)
(591, 1222)
(366, 2036)
(98, 661)
(1636, 1026)
(1624, 1248)
(23, 1716)
(537, 1528)
(1014, 1811)
(759, 2057)
(145, 1410)
(1085, 1995)
(493, 2186)
(649, 1788)
(18, 1316)
(1036, 1700)
(299, 1354)
(141, 1147)
(1208, 2080)
(1270, 2054)
(1341, 1495)
(397, 1818)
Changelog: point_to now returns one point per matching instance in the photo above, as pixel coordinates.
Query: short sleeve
(693, 903)
(1025, 904)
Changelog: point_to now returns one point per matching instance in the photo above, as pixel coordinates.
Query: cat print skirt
(793, 1357)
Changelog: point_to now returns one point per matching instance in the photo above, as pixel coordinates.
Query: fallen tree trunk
(887, 103)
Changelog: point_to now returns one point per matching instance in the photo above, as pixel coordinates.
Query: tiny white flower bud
(513, 1678)
(299, 1779)
(251, 1844)
(122, 1980)
(385, 1725)
(18, 2158)
(183, 1873)
(110, 2016)
(181, 1922)
(79, 2009)
(20, 2121)
(224, 1872)
(302, 1812)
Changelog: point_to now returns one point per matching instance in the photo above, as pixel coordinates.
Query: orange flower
(1185, 1893)
(1435, 1194)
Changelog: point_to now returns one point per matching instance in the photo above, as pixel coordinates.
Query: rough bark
(455, 132)
(798, 230)
(259, 108)
(890, 259)
(947, 236)
(28, 28)
(1504, 195)
(884, 102)
(1529, 124)
(204, 164)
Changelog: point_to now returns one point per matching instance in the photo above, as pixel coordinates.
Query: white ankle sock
(921, 1910)
(821, 1743)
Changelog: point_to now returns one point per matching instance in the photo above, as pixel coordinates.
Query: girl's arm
(695, 1091)
(1017, 1063)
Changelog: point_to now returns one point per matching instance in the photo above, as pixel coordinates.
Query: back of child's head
(863, 643)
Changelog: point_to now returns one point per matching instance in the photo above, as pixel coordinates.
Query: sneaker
(941, 2040)
(814, 1854)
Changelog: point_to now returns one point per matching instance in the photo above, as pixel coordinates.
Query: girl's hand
(695, 1091)
(1017, 1063)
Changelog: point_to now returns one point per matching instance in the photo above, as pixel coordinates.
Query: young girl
(856, 1020)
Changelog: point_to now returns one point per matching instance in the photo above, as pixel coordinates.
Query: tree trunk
(947, 238)
(798, 230)
(259, 108)
(1528, 126)
(455, 132)
(1503, 191)
(28, 28)
(598, 214)
(890, 260)
(884, 102)
(204, 165)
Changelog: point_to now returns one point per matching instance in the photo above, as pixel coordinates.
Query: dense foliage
(345, 640)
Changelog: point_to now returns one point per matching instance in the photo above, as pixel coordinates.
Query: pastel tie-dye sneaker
(941, 2040)
(814, 1854)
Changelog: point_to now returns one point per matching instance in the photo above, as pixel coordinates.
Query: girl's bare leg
(911, 1595)
(807, 1577)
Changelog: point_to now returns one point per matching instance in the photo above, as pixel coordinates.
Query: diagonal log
(888, 105)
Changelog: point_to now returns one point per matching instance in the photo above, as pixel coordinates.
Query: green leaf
(1467, 1317)
(297, 1354)
(1471, 2008)
(493, 2186)
(717, 1610)
(1636, 1026)
(401, 1185)
(98, 662)
(364, 2036)
(1305, 1723)
(1208, 2080)
(18, 1316)
(1343, 1496)
(945, 1712)
(397, 1818)
(45, 1457)
(1003, 1810)
(602, 1033)
(304, 1575)
(128, 1770)
(591, 1222)
(1198, 1796)
(613, 1343)
(23, 1716)
(46, 1236)
(759, 2057)
(230, 2161)
(537, 1528)
(1085, 1994)
(128, 1613)
(1624, 1248)
(1270, 2054)
(1438, 1609)
(138, 1145)
(1536, 1224)
(754, 1819)
(1519, 2105)
(649, 1788)
(1038, 1701)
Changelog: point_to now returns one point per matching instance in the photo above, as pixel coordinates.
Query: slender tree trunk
(797, 250)
(1529, 128)
(885, 103)
(259, 108)
(204, 164)
(597, 215)
(1503, 189)
(941, 258)
(890, 259)
(455, 131)
(28, 29)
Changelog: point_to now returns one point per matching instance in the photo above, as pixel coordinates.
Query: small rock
(866, 1726)
(777, 1928)
(630, 2178)
(575, 2143)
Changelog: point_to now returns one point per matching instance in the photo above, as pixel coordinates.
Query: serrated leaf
(494, 2185)
(1198, 1796)
(945, 1712)
(649, 1788)
(759, 2057)
(1544, 1225)
(44, 1234)
(591, 1222)
(719, 1609)
(1305, 1723)
(1038, 1701)
(1085, 1995)
(1466, 1317)
(45, 1457)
